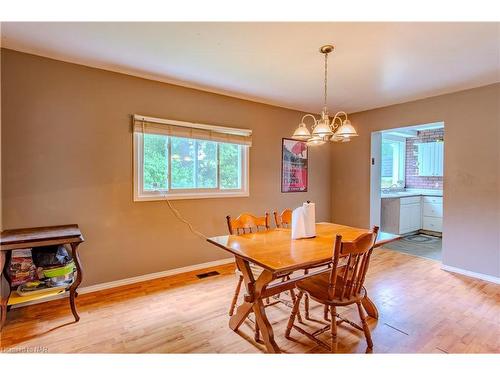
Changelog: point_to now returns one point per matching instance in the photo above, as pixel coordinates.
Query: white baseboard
(132, 280)
(481, 276)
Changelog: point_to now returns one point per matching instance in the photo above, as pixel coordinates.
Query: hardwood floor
(422, 310)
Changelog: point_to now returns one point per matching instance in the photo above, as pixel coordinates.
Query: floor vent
(207, 274)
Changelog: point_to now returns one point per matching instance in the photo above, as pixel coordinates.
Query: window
(201, 163)
(393, 162)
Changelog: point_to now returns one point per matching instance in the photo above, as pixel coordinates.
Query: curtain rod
(221, 129)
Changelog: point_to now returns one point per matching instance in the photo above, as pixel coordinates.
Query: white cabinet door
(415, 216)
(410, 217)
(404, 218)
(430, 159)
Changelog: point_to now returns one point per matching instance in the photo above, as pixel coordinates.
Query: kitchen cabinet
(401, 215)
(432, 214)
(430, 158)
(409, 214)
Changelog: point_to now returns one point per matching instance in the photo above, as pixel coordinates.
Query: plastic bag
(21, 268)
(51, 256)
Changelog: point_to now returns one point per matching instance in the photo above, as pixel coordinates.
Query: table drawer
(433, 223)
(409, 200)
(438, 200)
(433, 209)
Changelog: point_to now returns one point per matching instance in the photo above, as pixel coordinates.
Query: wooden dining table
(276, 252)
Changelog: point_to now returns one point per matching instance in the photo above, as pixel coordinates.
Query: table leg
(4, 291)
(253, 301)
(72, 290)
(241, 314)
(370, 307)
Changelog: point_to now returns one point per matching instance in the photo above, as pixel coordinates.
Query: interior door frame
(375, 172)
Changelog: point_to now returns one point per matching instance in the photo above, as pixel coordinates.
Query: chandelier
(339, 129)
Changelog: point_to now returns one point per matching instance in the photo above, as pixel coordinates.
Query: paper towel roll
(298, 225)
(304, 221)
(309, 219)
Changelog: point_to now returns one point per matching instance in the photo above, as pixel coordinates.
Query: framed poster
(293, 166)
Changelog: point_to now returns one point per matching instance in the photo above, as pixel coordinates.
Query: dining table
(278, 254)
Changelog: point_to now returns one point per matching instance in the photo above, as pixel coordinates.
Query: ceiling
(374, 64)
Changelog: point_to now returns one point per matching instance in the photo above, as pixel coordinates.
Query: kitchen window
(178, 160)
(393, 162)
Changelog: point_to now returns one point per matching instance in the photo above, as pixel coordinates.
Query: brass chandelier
(339, 129)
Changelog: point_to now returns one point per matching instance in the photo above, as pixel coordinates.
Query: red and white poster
(293, 166)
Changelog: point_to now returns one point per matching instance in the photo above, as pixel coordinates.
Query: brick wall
(413, 180)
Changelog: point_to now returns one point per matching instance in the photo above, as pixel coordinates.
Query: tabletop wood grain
(276, 251)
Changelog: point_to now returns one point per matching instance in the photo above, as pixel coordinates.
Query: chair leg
(256, 335)
(325, 313)
(235, 297)
(366, 329)
(306, 301)
(283, 279)
(293, 314)
(294, 299)
(306, 306)
(333, 328)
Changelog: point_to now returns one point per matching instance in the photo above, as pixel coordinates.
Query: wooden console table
(13, 239)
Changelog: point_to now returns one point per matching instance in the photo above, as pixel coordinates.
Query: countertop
(413, 193)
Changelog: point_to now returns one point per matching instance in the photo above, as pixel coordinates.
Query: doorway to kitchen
(406, 187)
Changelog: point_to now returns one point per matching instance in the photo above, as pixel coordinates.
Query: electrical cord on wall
(181, 218)
(176, 213)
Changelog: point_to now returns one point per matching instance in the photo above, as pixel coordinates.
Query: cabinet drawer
(409, 200)
(433, 209)
(438, 200)
(433, 223)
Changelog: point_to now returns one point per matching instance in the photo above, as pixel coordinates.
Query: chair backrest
(284, 220)
(352, 274)
(247, 223)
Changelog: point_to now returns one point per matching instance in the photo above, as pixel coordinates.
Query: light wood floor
(422, 310)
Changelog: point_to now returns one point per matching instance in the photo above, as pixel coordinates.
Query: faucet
(394, 187)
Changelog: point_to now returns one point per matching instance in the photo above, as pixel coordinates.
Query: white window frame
(140, 195)
(398, 157)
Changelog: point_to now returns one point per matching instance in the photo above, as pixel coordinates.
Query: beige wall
(1, 222)
(471, 223)
(67, 158)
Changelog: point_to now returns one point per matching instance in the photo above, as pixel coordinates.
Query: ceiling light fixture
(324, 130)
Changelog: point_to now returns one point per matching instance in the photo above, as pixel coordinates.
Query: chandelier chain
(326, 78)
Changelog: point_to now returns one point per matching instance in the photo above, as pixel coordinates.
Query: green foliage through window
(155, 162)
(194, 164)
(230, 161)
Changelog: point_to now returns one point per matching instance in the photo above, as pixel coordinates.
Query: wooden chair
(340, 286)
(245, 223)
(248, 223)
(284, 220)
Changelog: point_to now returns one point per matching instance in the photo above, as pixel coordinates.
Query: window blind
(184, 129)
